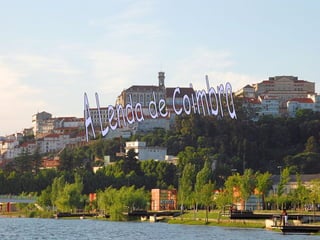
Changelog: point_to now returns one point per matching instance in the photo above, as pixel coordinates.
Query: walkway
(16, 199)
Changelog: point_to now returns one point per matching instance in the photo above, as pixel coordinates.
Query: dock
(303, 229)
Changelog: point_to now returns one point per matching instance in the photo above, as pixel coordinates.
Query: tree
(202, 178)
(115, 202)
(186, 183)
(247, 184)
(106, 198)
(312, 145)
(57, 189)
(23, 162)
(240, 187)
(263, 184)
(207, 197)
(36, 160)
(284, 179)
(231, 185)
(45, 197)
(70, 197)
(130, 163)
(300, 194)
(66, 160)
(314, 196)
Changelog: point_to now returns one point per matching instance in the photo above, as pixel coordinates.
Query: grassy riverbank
(215, 219)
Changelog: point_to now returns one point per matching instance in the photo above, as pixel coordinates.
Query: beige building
(246, 92)
(284, 88)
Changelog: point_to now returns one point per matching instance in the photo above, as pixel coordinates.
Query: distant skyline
(51, 52)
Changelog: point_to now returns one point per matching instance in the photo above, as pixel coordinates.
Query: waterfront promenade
(16, 199)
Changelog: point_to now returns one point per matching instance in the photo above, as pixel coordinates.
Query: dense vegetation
(214, 147)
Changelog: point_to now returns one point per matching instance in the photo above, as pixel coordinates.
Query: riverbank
(215, 219)
(223, 223)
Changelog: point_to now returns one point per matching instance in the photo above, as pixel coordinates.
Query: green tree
(231, 185)
(284, 179)
(70, 197)
(247, 184)
(23, 162)
(300, 194)
(202, 178)
(186, 183)
(130, 162)
(58, 185)
(115, 202)
(207, 197)
(106, 198)
(36, 161)
(314, 196)
(44, 199)
(66, 160)
(263, 184)
(312, 145)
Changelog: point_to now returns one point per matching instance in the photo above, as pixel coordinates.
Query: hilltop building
(279, 95)
(284, 88)
(40, 123)
(140, 94)
(143, 94)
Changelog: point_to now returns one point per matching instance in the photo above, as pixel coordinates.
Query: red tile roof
(302, 100)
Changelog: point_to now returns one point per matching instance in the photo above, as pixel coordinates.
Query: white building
(146, 153)
(52, 142)
(55, 142)
(28, 147)
(316, 100)
(269, 106)
(246, 92)
(9, 148)
(39, 123)
(299, 103)
(68, 122)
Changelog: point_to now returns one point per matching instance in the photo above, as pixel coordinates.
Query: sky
(52, 52)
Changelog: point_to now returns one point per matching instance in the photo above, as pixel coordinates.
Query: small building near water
(163, 199)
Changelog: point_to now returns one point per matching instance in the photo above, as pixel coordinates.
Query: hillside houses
(48, 135)
(277, 96)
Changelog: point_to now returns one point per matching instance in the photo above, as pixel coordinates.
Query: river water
(33, 228)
